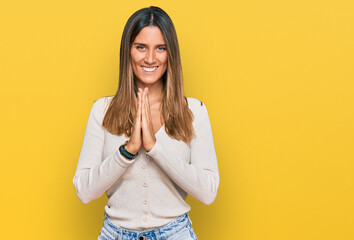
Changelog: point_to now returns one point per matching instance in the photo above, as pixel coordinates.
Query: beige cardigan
(150, 190)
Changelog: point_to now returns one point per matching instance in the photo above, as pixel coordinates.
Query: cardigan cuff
(154, 150)
(122, 160)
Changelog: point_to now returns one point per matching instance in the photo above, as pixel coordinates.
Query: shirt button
(145, 219)
(145, 202)
(143, 165)
(145, 184)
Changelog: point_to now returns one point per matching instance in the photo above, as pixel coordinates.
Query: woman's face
(149, 56)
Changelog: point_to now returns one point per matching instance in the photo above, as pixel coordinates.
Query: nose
(150, 57)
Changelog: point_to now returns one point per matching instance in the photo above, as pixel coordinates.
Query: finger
(143, 96)
(138, 112)
(135, 115)
(148, 105)
(146, 109)
(136, 124)
(135, 140)
(143, 107)
(146, 97)
(139, 90)
(139, 105)
(147, 127)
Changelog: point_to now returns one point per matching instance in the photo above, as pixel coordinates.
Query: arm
(95, 175)
(200, 178)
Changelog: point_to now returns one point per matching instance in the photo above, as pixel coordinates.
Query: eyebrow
(143, 44)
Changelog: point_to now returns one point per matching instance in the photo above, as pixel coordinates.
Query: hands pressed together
(143, 131)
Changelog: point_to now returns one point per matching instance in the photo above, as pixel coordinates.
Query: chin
(148, 80)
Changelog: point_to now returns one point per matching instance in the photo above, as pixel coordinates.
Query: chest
(156, 118)
(174, 149)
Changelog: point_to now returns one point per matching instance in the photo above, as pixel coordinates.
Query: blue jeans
(179, 229)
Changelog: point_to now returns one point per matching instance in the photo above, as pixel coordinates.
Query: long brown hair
(175, 113)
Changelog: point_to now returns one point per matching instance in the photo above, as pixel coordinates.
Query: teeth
(149, 69)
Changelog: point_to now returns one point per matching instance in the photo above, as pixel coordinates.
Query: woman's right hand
(135, 141)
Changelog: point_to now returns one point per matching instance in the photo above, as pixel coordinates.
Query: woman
(148, 146)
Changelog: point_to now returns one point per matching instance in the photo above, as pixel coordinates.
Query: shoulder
(194, 101)
(194, 104)
(200, 113)
(197, 106)
(100, 105)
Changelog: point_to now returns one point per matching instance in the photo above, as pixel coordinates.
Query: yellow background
(276, 77)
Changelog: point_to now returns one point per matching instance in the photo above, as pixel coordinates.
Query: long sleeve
(95, 175)
(200, 177)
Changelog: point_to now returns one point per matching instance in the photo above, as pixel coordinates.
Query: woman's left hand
(148, 135)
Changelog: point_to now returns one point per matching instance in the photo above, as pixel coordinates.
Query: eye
(161, 48)
(140, 47)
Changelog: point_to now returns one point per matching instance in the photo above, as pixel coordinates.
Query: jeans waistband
(156, 233)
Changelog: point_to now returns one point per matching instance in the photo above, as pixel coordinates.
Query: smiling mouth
(149, 69)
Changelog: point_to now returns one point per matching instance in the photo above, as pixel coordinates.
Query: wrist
(125, 153)
(131, 149)
(151, 146)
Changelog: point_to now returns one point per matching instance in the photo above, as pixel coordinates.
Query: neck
(155, 90)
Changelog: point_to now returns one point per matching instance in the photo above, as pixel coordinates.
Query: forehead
(150, 35)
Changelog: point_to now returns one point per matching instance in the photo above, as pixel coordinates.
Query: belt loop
(190, 220)
(157, 234)
(120, 234)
